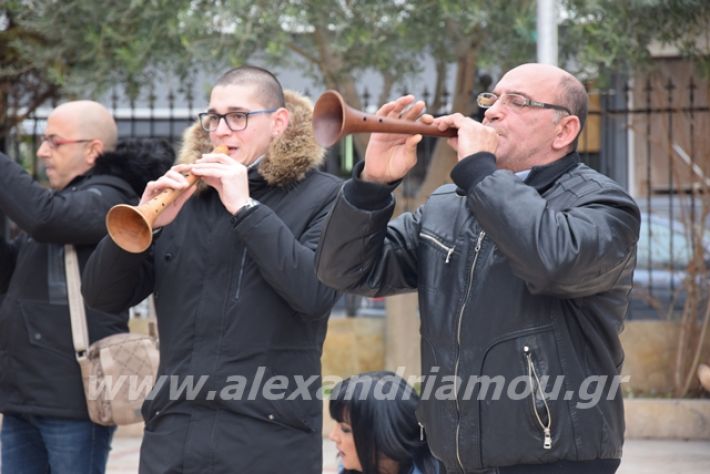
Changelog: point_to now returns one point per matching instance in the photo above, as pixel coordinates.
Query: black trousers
(598, 466)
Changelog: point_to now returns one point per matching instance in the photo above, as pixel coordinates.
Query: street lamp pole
(547, 31)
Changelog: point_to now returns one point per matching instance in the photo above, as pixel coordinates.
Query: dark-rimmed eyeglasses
(55, 142)
(486, 100)
(235, 121)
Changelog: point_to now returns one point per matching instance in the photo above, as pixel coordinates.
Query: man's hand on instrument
(473, 137)
(173, 179)
(227, 176)
(390, 156)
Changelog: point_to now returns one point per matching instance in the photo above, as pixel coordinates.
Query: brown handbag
(117, 371)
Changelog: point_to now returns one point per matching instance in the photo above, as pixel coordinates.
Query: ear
(93, 151)
(279, 120)
(565, 132)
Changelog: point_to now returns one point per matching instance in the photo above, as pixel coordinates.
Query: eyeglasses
(486, 100)
(235, 121)
(55, 142)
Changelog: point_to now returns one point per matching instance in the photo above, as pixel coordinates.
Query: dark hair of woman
(380, 409)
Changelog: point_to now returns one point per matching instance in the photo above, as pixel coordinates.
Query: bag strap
(79, 330)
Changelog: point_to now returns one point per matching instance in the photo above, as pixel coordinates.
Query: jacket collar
(136, 161)
(76, 181)
(542, 177)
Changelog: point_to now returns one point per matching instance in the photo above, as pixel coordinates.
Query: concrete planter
(650, 348)
(667, 418)
(353, 345)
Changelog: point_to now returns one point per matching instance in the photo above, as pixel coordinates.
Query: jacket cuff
(471, 170)
(244, 212)
(366, 195)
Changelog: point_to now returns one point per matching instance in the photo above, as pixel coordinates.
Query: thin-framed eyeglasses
(55, 142)
(486, 100)
(235, 121)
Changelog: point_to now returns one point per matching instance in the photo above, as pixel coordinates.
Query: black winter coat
(39, 374)
(523, 287)
(239, 308)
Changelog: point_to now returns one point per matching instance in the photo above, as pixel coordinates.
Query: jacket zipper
(534, 379)
(438, 243)
(241, 275)
(421, 432)
(477, 250)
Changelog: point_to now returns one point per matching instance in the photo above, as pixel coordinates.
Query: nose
(222, 128)
(493, 112)
(333, 434)
(44, 150)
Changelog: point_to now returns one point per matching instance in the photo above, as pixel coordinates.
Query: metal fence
(654, 139)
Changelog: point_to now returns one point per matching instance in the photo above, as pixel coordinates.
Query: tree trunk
(330, 65)
(402, 335)
(444, 157)
(4, 112)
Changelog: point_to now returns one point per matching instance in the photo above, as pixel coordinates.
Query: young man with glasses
(45, 426)
(241, 314)
(523, 268)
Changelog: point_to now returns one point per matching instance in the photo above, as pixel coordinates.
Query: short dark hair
(574, 96)
(380, 408)
(268, 87)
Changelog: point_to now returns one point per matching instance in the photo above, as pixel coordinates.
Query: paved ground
(640, 457)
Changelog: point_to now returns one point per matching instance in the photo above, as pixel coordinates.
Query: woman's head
(377, 430)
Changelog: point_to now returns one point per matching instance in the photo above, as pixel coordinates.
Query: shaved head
(91, 119)
(77, 133)
(569, 90)
(266, 86)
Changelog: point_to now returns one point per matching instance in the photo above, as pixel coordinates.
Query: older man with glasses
(242, 316)
(523, 268)
(45, 426)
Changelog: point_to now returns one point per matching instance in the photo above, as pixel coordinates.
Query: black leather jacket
(522, 286)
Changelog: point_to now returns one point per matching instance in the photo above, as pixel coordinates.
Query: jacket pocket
(291, 414)
(283, 389)
(48, 326)
(539, 405)
(238, 275)
(164, 440)
(292, 409)
(530, 407)
(436, 258)
(439, 244)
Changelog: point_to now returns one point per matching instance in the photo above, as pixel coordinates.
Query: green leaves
(611, 35)
(84, 47)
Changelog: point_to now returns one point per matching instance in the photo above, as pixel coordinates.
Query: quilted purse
(117, 371)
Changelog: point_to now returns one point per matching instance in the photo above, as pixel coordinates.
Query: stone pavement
(640, 457)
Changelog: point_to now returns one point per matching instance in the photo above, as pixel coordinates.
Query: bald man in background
(45, 426)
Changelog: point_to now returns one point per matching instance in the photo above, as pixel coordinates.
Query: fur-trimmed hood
(137, 161)
(289, 157)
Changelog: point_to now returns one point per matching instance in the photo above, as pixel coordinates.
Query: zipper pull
(479, 241)
(421, 432)
(548, 439)
(448, 254)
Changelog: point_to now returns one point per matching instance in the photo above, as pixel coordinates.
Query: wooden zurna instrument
(333, 119)
(131, 227)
